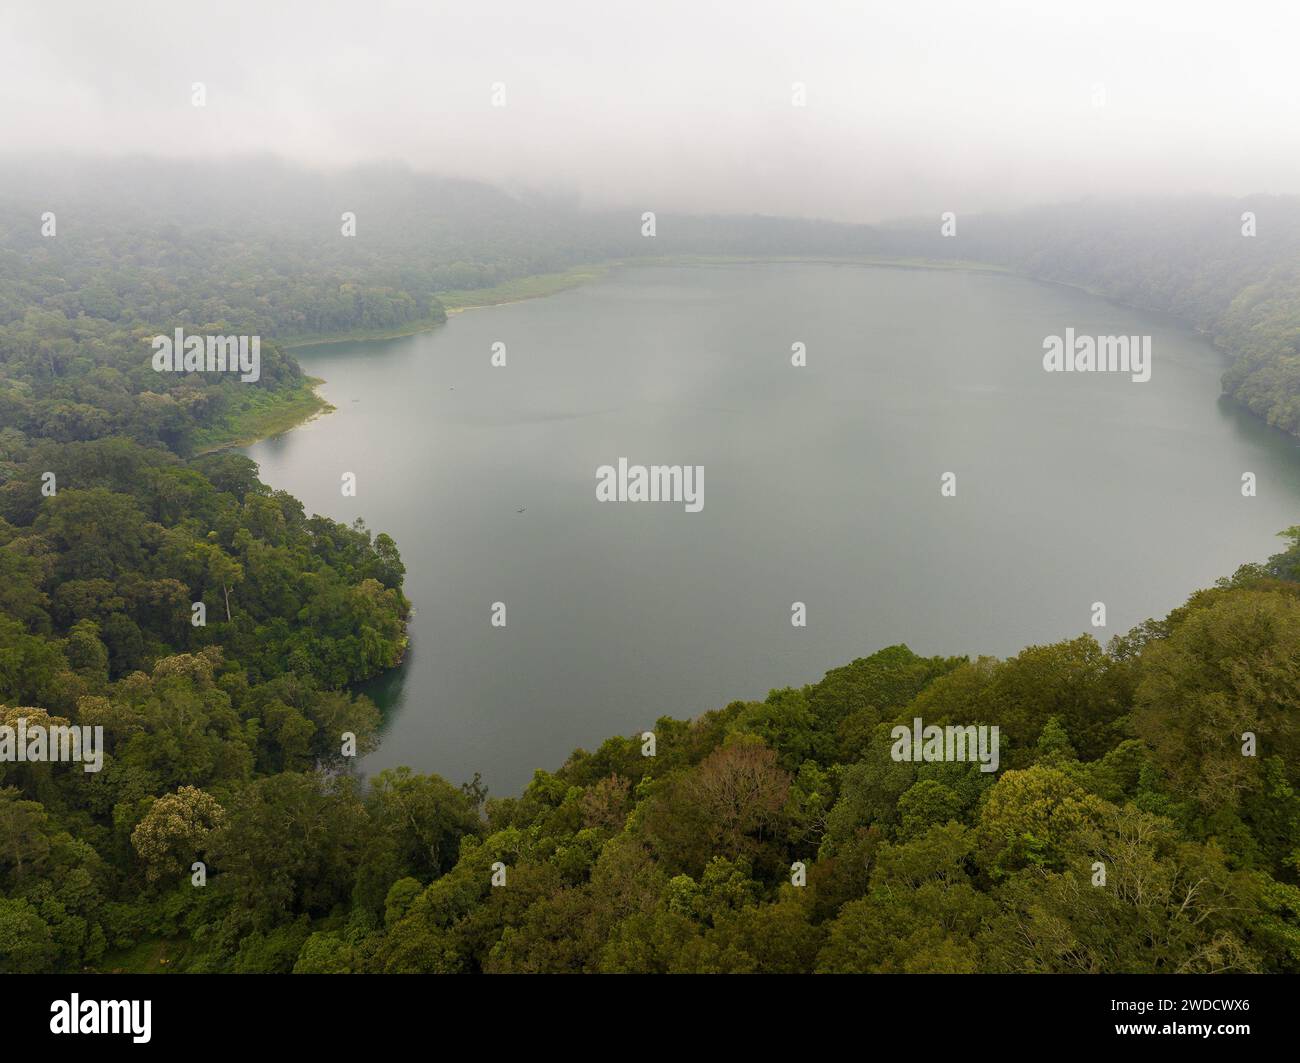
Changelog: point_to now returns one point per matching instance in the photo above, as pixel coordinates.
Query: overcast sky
(911, 106)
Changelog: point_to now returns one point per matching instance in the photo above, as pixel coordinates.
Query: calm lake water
(822, 485)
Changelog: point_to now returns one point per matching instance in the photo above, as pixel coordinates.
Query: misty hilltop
(256, 244)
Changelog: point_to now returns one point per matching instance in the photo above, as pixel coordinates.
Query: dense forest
(1128, 756)
(256, 248)
(227, 741)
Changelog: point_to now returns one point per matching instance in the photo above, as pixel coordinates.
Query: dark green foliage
(225, 833)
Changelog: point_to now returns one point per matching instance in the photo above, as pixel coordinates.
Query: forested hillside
(1129, 758)
(140, 248)
(227, 740)
(257, 248)
(1187, 258)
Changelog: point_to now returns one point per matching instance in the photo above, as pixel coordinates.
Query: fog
(685, 105)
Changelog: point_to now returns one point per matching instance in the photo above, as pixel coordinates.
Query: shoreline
(301, 407)
(541, 285)
(279, 420)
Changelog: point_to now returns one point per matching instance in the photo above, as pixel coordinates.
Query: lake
(821, 486)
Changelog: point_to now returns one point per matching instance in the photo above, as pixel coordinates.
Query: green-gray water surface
(821, 485)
